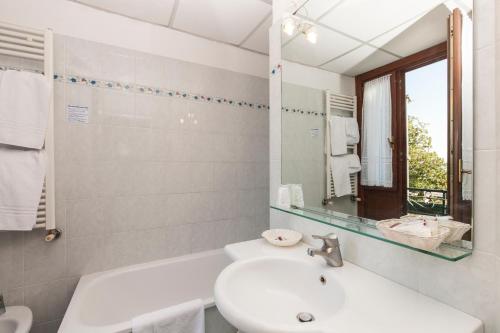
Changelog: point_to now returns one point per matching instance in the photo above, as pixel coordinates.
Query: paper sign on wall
(78, 114)
(314, 132)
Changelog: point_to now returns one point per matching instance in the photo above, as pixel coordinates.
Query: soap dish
(282, 237)
(424, 243)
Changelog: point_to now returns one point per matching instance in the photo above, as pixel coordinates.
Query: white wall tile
(47, 301)
(178, 240)
(43, 262)
(11, 258)
(484, 23)
(467, 285)
(484, 99)
(485, 210)
(136, 184)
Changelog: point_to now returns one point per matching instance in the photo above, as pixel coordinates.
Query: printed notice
(314, 132)
(78, 114)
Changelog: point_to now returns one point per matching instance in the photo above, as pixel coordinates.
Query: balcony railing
(426, 201)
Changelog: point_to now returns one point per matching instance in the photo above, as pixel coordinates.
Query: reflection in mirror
(377, 111)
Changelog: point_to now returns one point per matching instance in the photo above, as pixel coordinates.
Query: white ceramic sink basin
(266, 287)
(266, 294)
(17, 319)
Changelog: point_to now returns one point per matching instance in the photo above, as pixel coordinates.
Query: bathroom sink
(266, 287)
(16, 319)
(278, 295)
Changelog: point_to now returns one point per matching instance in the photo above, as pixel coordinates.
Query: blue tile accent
(92, 82)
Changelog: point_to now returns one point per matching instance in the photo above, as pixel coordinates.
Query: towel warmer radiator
(34, 44)
(344, 106)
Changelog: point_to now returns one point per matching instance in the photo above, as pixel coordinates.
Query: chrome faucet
(2, 305)
(330, 250)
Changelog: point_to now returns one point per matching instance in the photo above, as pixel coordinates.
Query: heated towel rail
(345, 106)
(34, 44)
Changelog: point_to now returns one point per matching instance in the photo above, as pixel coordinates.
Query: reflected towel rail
(338, 105)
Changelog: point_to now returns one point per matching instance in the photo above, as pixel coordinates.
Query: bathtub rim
(71, 322)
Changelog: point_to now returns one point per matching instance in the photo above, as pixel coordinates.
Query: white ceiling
(243, 23)
(355, 36)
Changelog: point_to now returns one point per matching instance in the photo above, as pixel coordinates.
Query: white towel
(21, 180)
(417, 228)
(186, 317)
(338, 137)
(342, 167)
(352, 131)
(24, 108)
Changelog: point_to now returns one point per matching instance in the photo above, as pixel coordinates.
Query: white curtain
(467, 106)
(376, 152)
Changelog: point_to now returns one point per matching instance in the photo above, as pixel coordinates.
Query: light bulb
(289, 26)
(312, 35)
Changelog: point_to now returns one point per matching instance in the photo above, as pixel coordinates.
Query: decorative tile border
(302, 111)
(141, 89)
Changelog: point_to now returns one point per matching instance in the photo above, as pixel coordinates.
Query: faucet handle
(330, 240)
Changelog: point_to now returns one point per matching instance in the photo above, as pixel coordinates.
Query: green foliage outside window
(425, 167)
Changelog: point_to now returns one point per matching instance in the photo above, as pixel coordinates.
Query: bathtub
(106, 302)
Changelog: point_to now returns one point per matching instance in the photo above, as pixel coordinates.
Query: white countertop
(373, 304)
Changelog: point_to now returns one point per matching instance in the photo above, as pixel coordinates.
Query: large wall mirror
(377, 107)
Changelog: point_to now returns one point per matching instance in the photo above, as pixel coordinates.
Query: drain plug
(305, 317)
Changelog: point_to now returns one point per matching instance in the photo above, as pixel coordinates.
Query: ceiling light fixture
(292, 24)
(289, 25)
(311, 34)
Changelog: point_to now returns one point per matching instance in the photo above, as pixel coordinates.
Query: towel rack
(37, 44)
(344, 106)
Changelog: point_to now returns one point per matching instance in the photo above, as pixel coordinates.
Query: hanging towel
(342, 167)
(24, 108)
(21, 180)
(187, 317)
(338, 135)
(352, 131)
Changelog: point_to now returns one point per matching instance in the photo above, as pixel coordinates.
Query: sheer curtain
(467, 106)
(376, 152)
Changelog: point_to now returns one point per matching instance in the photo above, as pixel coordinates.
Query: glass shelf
(367, 227)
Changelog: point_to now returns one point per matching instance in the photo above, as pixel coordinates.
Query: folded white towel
(24, 108)
(417, 228)
(21, 180)
(352, 131)
(188, 317)
(338, 137)
(342, 167)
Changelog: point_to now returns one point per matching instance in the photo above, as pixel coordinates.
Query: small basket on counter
(427, 243)
(457, 230)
